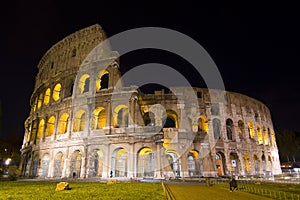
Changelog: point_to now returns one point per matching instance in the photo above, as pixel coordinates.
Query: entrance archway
(96, 163)
(145, 162)
(220, 163)
(119, 163)
(76, 163)
(45, 165)
(173, 163)
(59, 164)
(193, 163)
(234, 164)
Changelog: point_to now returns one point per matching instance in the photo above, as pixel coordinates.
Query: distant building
(81, 125)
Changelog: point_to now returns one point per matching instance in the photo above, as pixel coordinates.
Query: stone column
(131, 162)
(184, 165)
(158, 163)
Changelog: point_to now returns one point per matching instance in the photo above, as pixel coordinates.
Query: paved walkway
(198, 192)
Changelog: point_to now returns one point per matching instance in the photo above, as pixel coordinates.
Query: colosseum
(84, 123)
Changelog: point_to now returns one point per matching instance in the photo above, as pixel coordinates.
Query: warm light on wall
(47, 97)
(56, 92)
(83, 83)
(50, 126)
(98, 81)
(40, 129)
(99, 118)
(259, 135)
(63, 123)
(79, 121)
(251, 130)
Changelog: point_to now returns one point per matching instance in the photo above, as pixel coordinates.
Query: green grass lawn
(80, 190)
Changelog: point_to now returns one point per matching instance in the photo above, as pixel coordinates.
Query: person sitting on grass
(233, 185)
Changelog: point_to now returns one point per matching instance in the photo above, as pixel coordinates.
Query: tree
(288, 145)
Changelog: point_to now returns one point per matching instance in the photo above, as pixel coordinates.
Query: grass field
(80, 190)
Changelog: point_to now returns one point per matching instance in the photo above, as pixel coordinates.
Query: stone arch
(216, 128)
(119, 162)
(264, 164)
(120, 117)
(266, 136)
(220, 163)
(102, 80)
(76, 161)
(59, 161)
(99, 118)
(79, 121)
(241, 127)
(56, 92)
(193, 163)
(84, 84)
(259, 135)
(173, 163)
(41, 129)
(251, 130)
(149, 119)
(234, 163)
(45, 161)
(145, 162)
(35, 165)
(247, 163)
(256, 164)
(40, 101)
(63, 123)
(170, 119)
(47, 96)
(229, 129)
(50, 126)
(96, 163)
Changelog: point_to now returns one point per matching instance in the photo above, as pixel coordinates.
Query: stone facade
(83, 125)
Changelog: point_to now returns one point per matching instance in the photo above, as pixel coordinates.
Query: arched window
(229, 129)
(47, 96)
(79, 121)
(121, 116)
(41, 129)
(241, 128)
(50, 126)
(217, 128)
(35, 104)
(56, 92)
(33, 131)
(145, 162)
(102, 80)
(266, 136)
(99, 118)
(259, 135)
(40, 101)
(63, 123)
(170, 120)
(119, 162)
(251, 130)
(84, 84)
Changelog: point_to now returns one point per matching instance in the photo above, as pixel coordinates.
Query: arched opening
(50, 126)
(247, 163)
(45, 165)
(63, 123)
(96, 163)
(56, 92)
(241, 127)
(99, 118)
(40, 101)
(220, 163)
(79, 121)
(145, 162)
(266, 136)
(251, 130)
(41, 129)
(193, 163)
(229, 129)
(84, 84)
(76, 161)
(59, 164)
(35, 104)
(47, 96)
(102, 80)
(256, 164)
(35, 165)
(149, 119)
(217, 128)
(234, 168)
(170, 120)
(263, 159)
(119, 163)
(259, 135)
(202, 124)
(173, 164)
(121, 116)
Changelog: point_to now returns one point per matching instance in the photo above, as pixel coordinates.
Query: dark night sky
(255, 46)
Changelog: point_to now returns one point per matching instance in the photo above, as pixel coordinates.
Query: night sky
(255, 47)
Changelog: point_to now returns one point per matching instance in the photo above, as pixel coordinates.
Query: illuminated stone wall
(81, 125)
